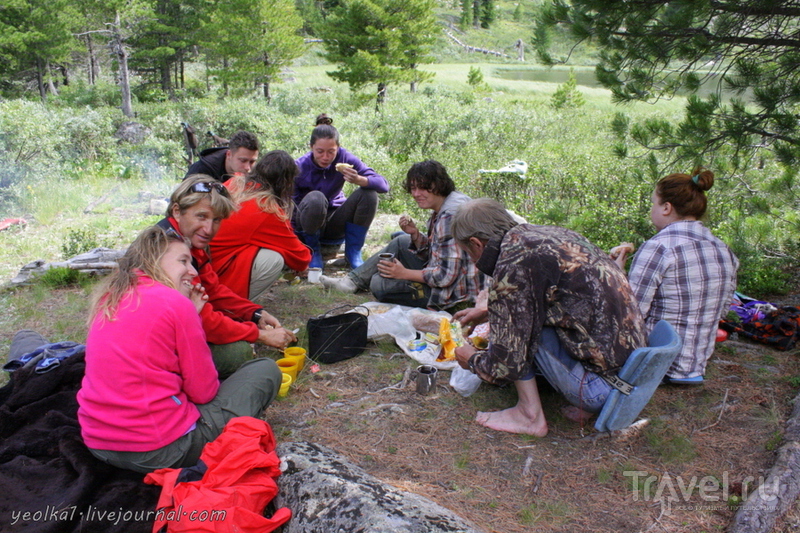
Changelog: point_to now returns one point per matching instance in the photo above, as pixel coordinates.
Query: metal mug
(426, 379)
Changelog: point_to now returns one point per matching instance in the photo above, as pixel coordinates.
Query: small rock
(132, 132)
(157, 207)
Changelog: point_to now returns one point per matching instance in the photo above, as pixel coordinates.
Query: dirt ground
(702, 450)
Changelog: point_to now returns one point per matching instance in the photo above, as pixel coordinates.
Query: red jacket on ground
(226, 316)
(239, 482)
(243, 234)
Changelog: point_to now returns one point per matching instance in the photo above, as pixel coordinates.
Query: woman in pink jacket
(151, 397)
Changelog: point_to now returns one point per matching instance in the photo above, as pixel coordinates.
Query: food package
(450, 338)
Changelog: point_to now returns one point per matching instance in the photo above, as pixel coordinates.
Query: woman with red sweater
(150, 397)
(255, 243)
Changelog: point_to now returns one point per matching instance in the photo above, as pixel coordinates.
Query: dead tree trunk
(224, 79)
(40, 79)
(778, 492)
(93, 66)
(51, 87)
(381, 97)
(122, 58)
(64, 75)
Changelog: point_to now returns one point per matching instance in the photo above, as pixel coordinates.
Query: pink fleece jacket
(145, 371)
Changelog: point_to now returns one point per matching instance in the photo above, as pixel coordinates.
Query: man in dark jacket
(223, 162)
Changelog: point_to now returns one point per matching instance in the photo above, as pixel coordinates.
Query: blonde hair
(184, 197)
(142, 256)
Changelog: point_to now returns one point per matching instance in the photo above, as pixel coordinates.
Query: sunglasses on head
(208, 186)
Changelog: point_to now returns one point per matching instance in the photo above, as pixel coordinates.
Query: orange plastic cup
(288, 366)
(296, 353)
(286, 382)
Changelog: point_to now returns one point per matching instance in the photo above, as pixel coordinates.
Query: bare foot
(576, 414)
(513, 420)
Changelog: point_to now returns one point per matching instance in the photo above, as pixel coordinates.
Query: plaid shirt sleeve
(647, 271)
(444, 263)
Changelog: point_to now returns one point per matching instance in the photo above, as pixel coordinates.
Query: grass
(670, 443)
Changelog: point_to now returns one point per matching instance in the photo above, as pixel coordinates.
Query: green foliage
(163, 38)
(517, 16)
(774, 441)
(61, 277)
(36, 36)
(664, 48)
(567, 94)
(253, 53)
(379, 41)
(487, 13)
(80, 241)
(475, 77)
(466, 14)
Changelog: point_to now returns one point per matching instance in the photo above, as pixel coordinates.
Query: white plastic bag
(464, 382)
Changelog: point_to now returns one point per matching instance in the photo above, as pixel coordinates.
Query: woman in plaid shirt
(684, 274)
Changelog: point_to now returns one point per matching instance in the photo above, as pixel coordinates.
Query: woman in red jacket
(254, 245)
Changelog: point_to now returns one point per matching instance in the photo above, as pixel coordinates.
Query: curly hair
(431, 176)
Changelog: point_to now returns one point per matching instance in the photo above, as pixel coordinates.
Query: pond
(586, 78)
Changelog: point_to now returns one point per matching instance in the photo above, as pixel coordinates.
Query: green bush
(475, 76)
(567, 94)
(63, 277)
(79, 241)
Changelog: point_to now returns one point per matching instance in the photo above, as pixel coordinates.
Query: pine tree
(487, 13)
(36, 35)
(466, 14)
(659, 48)
(249, 42)
(380, 42)
(567, 94)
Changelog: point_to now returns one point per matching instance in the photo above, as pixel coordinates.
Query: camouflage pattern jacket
(552, 276)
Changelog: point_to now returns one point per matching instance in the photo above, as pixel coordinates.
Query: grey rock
(157, 206)
(328, 494)
(132, 132)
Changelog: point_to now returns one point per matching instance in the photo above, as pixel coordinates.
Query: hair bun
(323, 118)
(703, 178)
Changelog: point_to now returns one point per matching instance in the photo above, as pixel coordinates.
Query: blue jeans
(389, 290)
(580, 387)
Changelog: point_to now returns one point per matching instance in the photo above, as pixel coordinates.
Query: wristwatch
(257, 316)
(471, 363)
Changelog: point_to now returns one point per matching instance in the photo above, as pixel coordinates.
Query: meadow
(62, 169)
(61, 161)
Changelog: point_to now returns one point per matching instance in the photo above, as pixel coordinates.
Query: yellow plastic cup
(288, 366)
(296, 353)
(286, 382)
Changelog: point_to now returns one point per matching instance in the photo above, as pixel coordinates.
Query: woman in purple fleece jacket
(323, 212)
